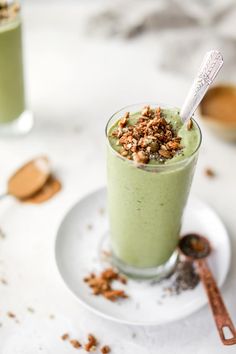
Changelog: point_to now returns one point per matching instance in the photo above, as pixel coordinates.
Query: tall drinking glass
(145, 205)
(14, 118)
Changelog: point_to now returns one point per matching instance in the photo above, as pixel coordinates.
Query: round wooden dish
(218, 111)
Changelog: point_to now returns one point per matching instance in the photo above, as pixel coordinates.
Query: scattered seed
(184, 278)
(65, 336)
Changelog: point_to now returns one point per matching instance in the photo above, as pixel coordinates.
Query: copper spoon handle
(220, 313)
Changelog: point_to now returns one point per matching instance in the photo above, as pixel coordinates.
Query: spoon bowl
(194, 246)
(30, 178)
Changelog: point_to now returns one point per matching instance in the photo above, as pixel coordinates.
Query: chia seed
(184, 278)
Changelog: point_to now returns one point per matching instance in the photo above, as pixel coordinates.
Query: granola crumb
(102, 284)
(52, 317)
(189, 124)
(113, 295)
(8, 11)
(140, 157)
(2, 233)
(101, 211)
(11, 314)
(209, 172)
(65, 336)
(105, 349)
(75, 343)
(89, 226)
(92, 343)
(4, 281)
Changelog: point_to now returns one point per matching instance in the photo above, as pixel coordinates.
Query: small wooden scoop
(29, 179)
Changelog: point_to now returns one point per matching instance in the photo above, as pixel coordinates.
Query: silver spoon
(209, 69)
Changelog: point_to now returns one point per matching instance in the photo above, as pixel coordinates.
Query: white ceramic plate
(80, 238)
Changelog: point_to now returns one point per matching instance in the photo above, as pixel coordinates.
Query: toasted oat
(173, 145)
(190, 124)
(113, 295)
(141, 157)
(92, 343)
(75, 343)
(65, 336)
(123, 122)
(122, 279)
(164, 153)
(109, 274)
(105, 349)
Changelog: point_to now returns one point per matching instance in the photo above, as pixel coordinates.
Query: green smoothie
(148, 183)
(12, 101)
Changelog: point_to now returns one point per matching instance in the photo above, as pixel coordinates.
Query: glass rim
(147, 166)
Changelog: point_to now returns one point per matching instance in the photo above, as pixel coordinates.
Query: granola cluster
(102, 284)
(150, 138)
(8, 11)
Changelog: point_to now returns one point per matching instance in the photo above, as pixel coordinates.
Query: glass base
(20, 126)
(157, 273)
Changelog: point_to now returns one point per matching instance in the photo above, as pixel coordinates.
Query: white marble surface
(74, 83)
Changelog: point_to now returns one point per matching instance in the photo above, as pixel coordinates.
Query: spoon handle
(221, 316)
(209, 68)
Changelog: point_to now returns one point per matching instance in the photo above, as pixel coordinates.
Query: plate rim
(199, 304)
